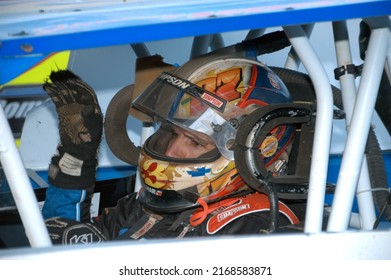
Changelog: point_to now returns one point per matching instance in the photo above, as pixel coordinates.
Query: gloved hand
(80, 126)
(67, 232)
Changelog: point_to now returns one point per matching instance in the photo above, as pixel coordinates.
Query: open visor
(191, 107)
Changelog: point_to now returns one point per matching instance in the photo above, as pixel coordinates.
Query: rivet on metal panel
(26, 48)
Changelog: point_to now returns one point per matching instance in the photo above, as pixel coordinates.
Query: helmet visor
(189, 106)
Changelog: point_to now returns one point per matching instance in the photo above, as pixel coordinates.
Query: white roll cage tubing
(353, 175)
(21, 188)
(362, 109)
(322, 137)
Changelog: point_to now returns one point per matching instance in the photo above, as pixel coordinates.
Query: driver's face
(185, 144)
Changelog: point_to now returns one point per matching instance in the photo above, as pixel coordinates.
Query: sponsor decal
(273, 81)
(144, 229)
(175, 81)
(269, 146)
(199, 172)
(82, 234)
(81, 239)
(231, 212)
(154, 191)
(19, 93)
(200, 93)
(16, 108)
(212, 100)
(252, 203)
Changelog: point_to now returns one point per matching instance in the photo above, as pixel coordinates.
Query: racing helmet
(209, 99)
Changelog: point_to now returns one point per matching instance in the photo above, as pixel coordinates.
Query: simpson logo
(143, 230)
(200, 93)
(152, 220)
(231, 212)
(175, 81)
(212, 100)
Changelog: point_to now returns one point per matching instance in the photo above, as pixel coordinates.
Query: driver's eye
(195, 143)
(174, 135)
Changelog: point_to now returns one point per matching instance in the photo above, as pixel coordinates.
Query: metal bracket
(348, 69)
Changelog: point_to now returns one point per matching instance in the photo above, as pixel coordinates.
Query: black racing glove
(80, 126)
(68, 232)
